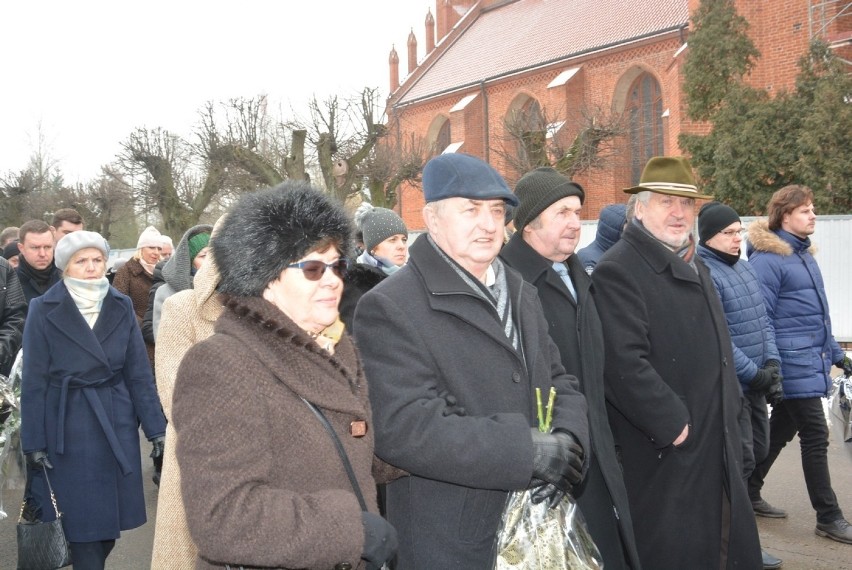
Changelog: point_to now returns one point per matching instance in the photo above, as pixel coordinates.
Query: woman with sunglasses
(263, 482)
(385, 239)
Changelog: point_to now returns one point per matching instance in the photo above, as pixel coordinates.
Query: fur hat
(74, 242)
(379, 224)
(668, 175)
(267, 230)
(540, 188)
(714, 217)
(150, 237)
(457, 175)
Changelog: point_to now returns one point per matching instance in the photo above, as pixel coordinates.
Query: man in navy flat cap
(454, 344)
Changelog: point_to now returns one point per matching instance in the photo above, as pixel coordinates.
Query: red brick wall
(779, 29)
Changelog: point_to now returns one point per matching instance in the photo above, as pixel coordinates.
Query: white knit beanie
(74, 242)
(150, 237)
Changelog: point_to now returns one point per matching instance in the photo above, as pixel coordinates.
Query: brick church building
(489, 64)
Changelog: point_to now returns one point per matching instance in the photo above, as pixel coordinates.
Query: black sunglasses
(314, 269)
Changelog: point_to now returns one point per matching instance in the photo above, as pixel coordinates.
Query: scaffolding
(831, 21)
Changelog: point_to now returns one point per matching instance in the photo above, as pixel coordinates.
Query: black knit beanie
(540, 188)
(714, 217)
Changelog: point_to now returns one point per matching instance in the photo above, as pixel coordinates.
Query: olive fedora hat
(668, 175)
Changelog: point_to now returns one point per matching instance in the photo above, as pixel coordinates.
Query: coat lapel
(65, 317)
(449, 294)
(534, 268)
(658, 256)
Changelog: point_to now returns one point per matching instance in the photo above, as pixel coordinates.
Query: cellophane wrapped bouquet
(12, 471)
(536, 537)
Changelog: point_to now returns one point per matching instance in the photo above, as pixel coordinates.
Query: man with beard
(671, 385)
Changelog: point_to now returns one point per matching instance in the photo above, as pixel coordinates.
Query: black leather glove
(38, 459)
(762, 380)
(158, 444)
(557, 459)
(845, 364)
(380, 541)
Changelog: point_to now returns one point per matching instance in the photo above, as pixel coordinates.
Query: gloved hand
(763, 380)
(776, 392)
(158, 443)
(37, 459)
(380, 541)
(845, 364)
(557, 459)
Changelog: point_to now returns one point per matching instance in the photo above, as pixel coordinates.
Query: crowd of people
(318, 394)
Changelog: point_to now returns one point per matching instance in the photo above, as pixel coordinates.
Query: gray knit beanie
(540, 188)
(74, 242)
(379, 224)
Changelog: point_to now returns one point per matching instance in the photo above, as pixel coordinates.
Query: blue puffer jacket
(610, 224)
(751, 332)
(794, 295)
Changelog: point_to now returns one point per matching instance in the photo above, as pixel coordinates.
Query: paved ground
(791, 539)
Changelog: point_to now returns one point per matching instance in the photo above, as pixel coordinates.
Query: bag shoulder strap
(340, 451)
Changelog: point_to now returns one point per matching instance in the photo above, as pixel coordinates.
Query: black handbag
(42, 545)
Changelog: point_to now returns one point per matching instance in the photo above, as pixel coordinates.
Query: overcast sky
(89, 71)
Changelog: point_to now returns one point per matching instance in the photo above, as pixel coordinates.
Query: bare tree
(344, 135)
(534, 137)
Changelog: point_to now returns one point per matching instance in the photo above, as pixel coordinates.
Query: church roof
(519, 35)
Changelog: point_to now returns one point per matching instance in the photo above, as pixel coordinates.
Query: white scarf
(88, 295)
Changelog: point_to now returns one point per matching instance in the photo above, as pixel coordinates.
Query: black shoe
(770, 561)
(839, 530)
(764, 509)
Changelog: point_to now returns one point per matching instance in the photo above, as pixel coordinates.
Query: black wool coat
(669, 363)
(576, 329)
(453, 403)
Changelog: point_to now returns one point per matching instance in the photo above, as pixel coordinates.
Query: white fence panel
(833, 241)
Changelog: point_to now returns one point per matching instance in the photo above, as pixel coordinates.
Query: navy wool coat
(83, 394)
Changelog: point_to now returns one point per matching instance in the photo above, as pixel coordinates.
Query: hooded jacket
(794, 295)
(188, 318)
(610, 226)
(176, 275)
(752, 335)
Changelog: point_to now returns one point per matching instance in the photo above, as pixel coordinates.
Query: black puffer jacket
(13, 313)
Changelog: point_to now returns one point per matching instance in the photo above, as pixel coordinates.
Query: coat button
(516, 377)
(343, 566)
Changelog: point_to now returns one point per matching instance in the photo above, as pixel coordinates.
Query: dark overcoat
(136, 283)
(575, 327)
(84, 392)
(426, 337)
(263, 484)
(668, 364)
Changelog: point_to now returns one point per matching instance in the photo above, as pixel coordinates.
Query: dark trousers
(755, 431)
(90, 555)
(807, 418)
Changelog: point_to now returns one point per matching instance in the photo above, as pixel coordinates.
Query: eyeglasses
(314, 269)
(732, 233)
